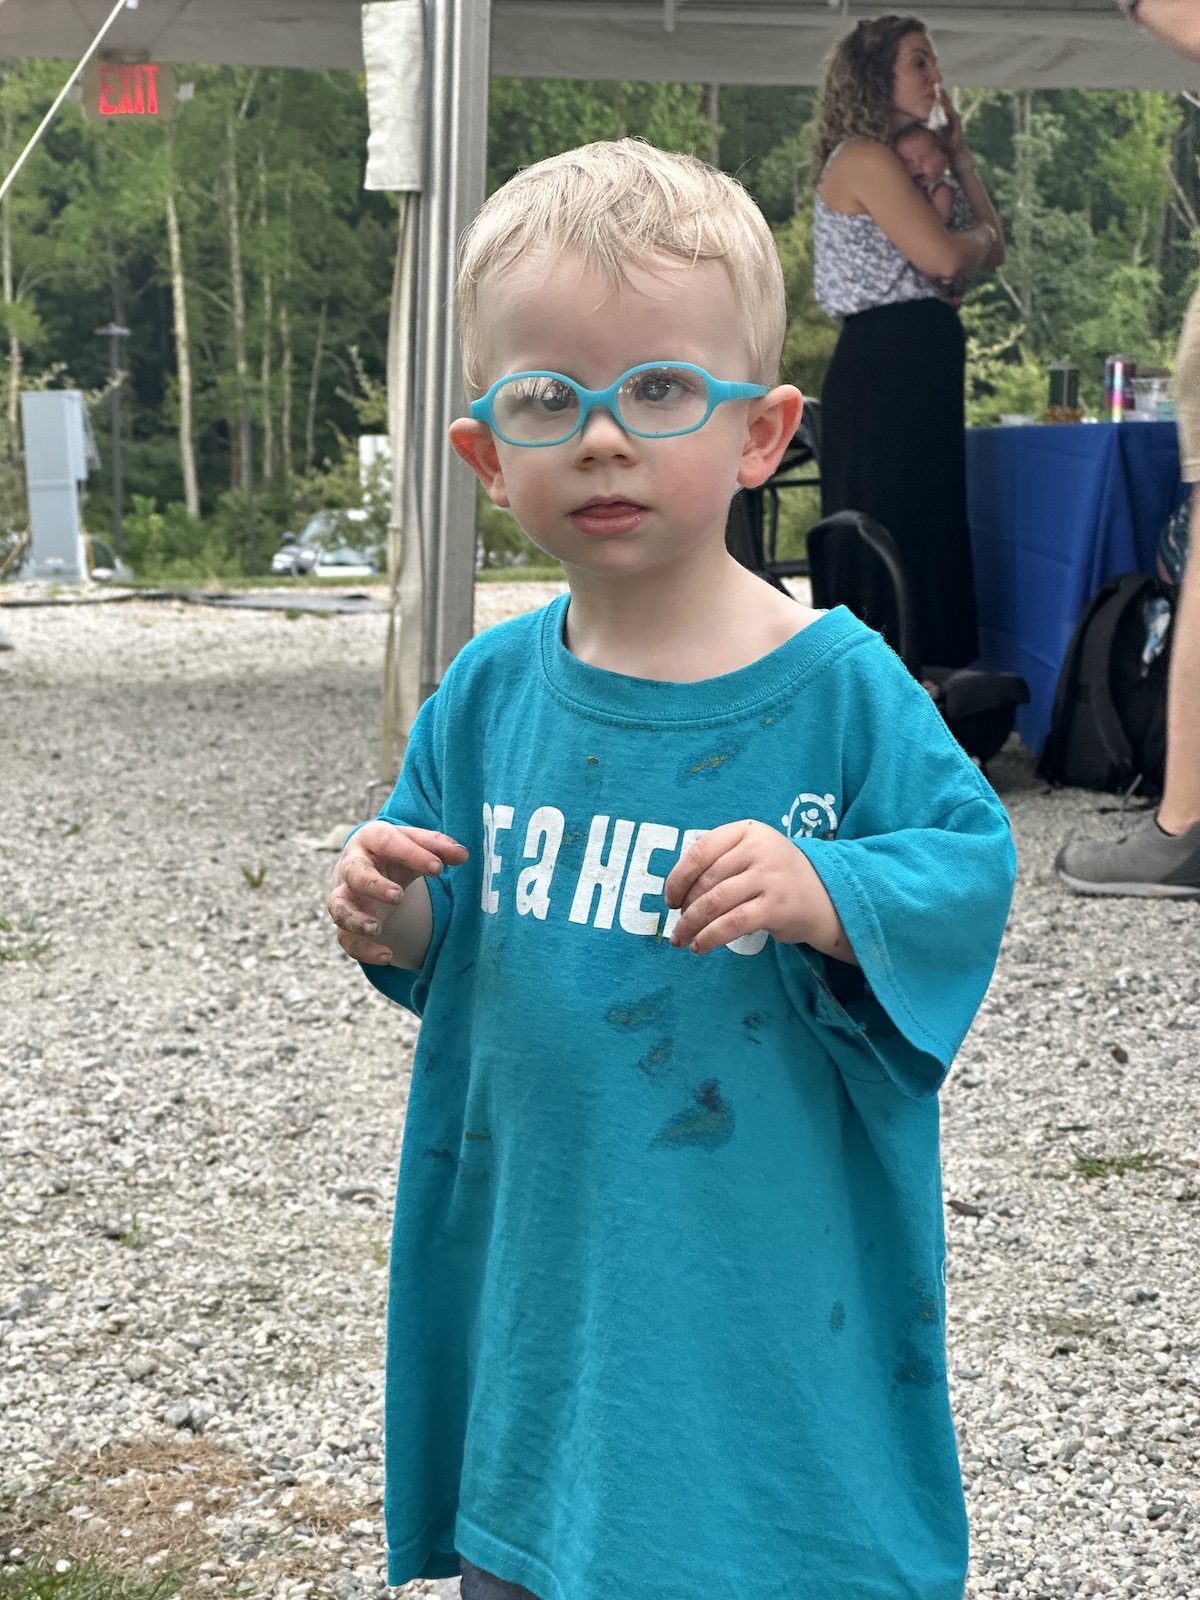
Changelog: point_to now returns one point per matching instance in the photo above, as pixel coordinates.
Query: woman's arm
(1175, 22)
(981, 204)
(972, 184)
(868, 177)
(941, 198)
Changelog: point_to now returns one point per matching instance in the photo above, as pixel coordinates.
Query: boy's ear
(773, 421)
(473, 441)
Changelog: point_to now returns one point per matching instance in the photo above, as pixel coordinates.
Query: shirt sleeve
(921, 873)
(417, 801)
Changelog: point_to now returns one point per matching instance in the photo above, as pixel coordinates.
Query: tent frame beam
(457, 37)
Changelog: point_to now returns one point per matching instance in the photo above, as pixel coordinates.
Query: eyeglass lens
(545, 410)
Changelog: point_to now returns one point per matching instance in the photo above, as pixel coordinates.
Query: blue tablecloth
(1054, 511)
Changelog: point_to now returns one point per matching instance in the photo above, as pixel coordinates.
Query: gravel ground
(200, 1113)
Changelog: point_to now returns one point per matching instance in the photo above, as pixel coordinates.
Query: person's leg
(480, 1585)
(1162, 855)
(1180, 807)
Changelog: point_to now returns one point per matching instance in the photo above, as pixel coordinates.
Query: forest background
(238, 246)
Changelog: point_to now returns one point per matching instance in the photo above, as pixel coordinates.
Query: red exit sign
(119, 89)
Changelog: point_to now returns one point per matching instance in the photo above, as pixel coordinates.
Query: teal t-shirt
(666, 1308)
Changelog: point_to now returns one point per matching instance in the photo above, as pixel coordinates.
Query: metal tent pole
(458, 36)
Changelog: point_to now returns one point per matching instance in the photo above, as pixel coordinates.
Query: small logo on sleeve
(812, 816)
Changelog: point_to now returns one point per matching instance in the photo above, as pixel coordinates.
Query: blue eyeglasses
(658, 400)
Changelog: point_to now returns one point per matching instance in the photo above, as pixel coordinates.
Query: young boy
(925, 162)
(696, 897)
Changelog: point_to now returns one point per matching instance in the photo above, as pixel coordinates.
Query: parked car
(292, 559)
(103, 566)
(326, 548)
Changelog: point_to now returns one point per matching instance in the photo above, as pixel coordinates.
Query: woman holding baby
(889, 243)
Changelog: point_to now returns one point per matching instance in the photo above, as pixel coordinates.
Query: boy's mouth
(608, 517)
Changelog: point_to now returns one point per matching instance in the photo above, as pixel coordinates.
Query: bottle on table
(1119, 373)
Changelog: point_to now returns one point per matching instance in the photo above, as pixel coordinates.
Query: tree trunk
(285, 351)
(1025, 198)
(712, 110)
(237, 297)
(268, 329)
(1139, 244)
(14, 343)
(285, 395)
(114, 277)
(183, 351)
(310, 422)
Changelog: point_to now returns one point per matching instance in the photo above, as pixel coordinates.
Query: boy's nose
(602, 433)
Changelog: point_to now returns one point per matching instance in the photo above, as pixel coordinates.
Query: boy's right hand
(372, 873)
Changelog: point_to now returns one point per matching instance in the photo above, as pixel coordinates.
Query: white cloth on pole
(393, 33)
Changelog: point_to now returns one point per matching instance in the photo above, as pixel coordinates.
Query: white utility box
(60, 451)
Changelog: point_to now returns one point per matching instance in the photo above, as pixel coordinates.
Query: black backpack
(1109, 725)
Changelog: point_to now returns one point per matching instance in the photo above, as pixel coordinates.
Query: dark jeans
(479, 1585)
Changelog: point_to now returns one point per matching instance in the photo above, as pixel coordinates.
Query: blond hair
(857, 86)
(619, 202)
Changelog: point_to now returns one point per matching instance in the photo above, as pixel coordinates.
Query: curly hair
(856, 87)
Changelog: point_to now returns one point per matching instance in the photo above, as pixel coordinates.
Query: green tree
(530, 119)
(811, 335)
(1086, 185)
(1100, 194)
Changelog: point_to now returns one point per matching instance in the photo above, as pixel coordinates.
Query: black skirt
(894, 446)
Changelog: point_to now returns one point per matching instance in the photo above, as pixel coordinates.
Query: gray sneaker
(1145, 862)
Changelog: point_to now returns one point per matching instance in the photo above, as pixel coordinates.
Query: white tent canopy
(1026, 43)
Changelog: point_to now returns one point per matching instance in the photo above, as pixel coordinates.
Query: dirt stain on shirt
(639, 1013)
(708, 1122)
(709, 762)
(655, 1061)
(913, 1368)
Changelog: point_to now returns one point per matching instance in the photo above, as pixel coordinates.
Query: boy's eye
(555, 396)
(662, 386)
(550, 396)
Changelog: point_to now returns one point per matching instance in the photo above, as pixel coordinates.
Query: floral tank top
(857, 267)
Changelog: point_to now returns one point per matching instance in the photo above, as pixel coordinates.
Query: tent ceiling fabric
(255, 33)
(1025, 44)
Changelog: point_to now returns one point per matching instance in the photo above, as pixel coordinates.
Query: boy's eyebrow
(565, 371)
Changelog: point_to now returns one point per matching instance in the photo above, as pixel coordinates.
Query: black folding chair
(979, 705)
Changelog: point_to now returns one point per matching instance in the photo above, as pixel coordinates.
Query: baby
(925, 162)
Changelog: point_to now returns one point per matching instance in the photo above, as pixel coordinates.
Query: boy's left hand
(743, 877)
